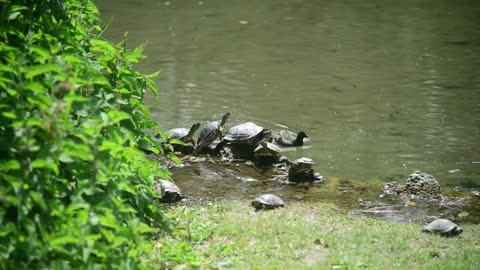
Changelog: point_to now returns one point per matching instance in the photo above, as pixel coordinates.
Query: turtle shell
(178, 133)
(267, 153)
(267, 201)
(301, 170)
(244, 133)
(267, 149)
(443, 227)
(184, 134)
(302, 164)
(170, 192)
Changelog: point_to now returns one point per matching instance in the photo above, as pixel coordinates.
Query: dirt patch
(316, 254)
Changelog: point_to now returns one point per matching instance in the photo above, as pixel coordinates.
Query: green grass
(306, 236)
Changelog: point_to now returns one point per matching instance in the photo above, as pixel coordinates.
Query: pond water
(384, 88)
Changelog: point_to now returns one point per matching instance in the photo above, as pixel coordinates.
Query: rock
(419, 184)
(423, 185)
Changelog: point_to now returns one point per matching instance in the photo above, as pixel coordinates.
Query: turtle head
(266, 134)
(457, 230)
(193, 129)
(225, 118)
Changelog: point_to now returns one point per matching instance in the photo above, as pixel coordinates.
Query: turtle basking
(183, 134)
(247, 134)
(210, 133)
(267, 153)
(443, 227)
(244, 138)
(267, 201)
(170, 192)
(301, 170)
(288, 138)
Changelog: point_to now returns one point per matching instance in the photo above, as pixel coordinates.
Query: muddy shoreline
(208, 179)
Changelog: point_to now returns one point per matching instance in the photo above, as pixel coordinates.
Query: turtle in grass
(443, 227)
(267, 201)
(170, 192)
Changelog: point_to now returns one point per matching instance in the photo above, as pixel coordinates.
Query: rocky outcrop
(419, 184)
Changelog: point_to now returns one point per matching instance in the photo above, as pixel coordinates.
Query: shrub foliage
(75, 191)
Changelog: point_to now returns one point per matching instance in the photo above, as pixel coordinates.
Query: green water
(384, 88)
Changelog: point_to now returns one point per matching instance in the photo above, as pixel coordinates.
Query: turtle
(243, 139)
(170, 192)
(267, 153)
(443, 227)
(210, 133)
(186, 136)
(267, 201)
(288, 138)
(183, 134)
(247, 133)
(301, 170)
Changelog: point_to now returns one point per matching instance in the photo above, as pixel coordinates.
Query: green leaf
(64, 157)
(9, 115)
(35, 87)
(37, 198)
(32, 71)
(126, 187)
(58, 243)
(118, 116)
(6, 68)
(176, 141)
(45, 164)
(108, 220)
(100, 45)
(40, 51)
(13, 15)
(77, 150)
(10, 165)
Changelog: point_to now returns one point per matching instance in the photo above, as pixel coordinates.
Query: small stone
(410, 204)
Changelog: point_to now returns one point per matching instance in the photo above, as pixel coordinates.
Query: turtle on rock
(267, 153)
(210, 133)
(183, 134)
(186, 136)
(267, 202)
(301, 170)
(288, 138)
(443, 227)
(244, 138)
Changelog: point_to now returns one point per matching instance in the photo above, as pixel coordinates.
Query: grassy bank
(306, 236)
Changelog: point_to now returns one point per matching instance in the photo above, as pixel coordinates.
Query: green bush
(75, 190)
